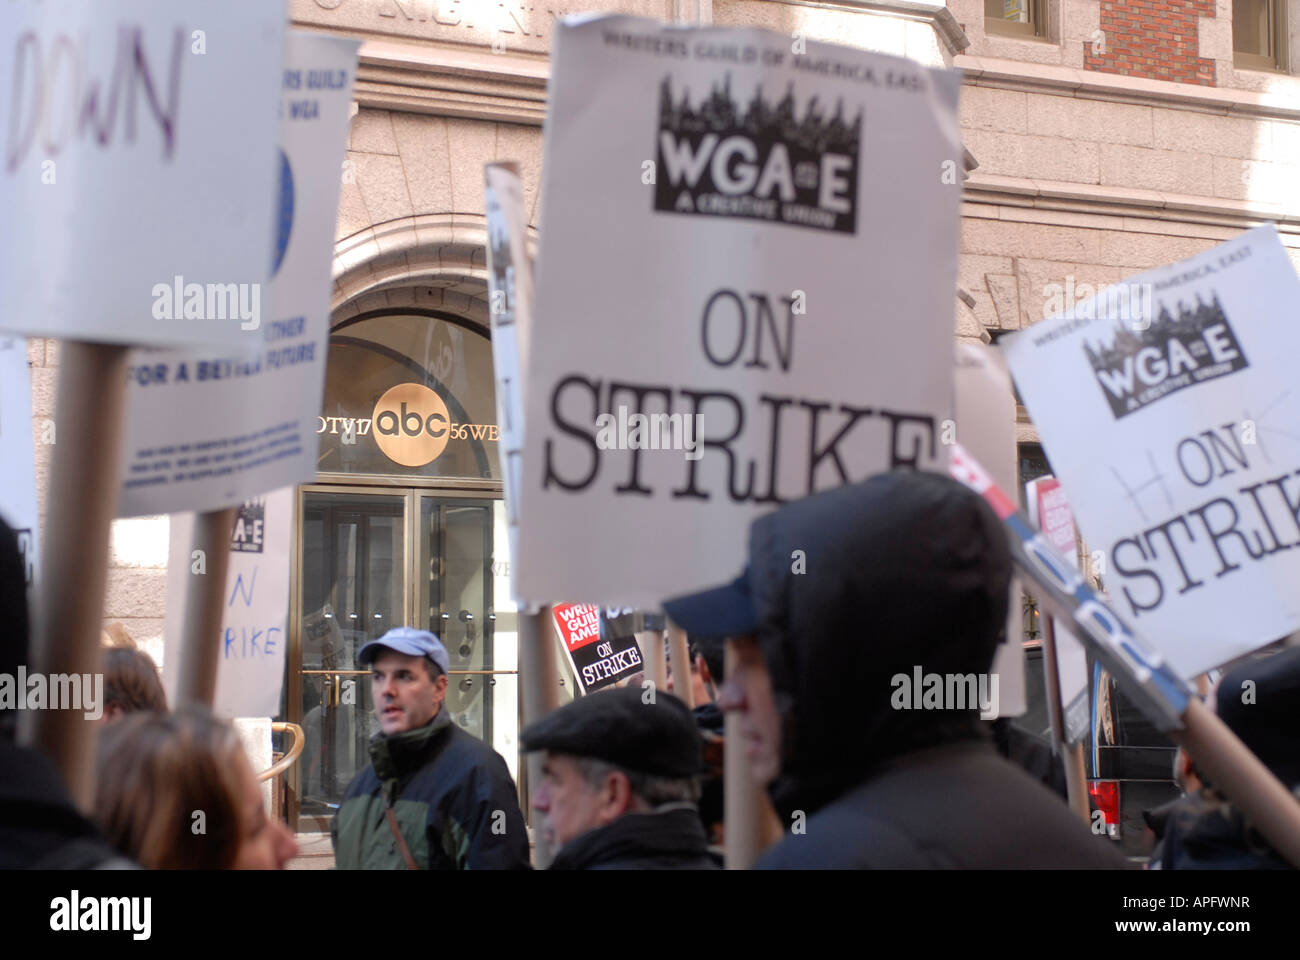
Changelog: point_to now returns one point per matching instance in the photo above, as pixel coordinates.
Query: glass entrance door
(353, 588)
(371, 560)
(463, 597)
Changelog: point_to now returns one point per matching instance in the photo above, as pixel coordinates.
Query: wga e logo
(762, 161)
(1140, 367)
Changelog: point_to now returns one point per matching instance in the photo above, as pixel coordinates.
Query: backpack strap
(401, 841)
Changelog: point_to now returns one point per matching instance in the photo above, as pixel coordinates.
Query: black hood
(1201, 832)
(856, 585)
(1259, 700)
(13, 614)
(13, 602)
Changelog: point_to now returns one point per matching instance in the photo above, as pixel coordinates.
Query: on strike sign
(1054, 517)
(766, 300)
(596, 663)
(1172, 426)
(1047, 506)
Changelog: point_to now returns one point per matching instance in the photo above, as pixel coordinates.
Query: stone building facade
(1110, 136)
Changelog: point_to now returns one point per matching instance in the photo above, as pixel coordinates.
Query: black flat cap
(617, 726)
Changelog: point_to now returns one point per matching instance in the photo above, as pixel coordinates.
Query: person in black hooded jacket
(39, 825)
(1259, 700)
(847, 594)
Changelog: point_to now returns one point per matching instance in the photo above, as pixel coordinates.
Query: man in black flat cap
(619, 783)
(848, 595)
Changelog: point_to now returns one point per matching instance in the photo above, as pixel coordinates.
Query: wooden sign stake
(83, 488)
(680, 657)
(1076, 780)
(539, 678)
(205, 604)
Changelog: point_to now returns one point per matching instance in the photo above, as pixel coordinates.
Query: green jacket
(452, 795)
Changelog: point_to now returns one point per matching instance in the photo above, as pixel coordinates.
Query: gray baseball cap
(410, 641)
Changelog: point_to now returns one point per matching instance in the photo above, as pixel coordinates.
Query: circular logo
(411, 424)
(284, 215)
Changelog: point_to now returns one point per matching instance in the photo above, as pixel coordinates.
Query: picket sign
(510, 302)
(1167, 405)
(209, 429)
(262, 424)
(754, 324)
(189, 168)
(140, 140)
(985, 421)
(252, 608)
(1145, 677)
(596, 662)
(1049, 510)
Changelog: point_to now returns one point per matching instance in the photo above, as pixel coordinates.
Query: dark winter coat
(39, 826)
(959, 805)
(1031, 753)
(455, 803)
(1198, 832)
(668, 839)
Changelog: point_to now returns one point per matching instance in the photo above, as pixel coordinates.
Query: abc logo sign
(411, 425)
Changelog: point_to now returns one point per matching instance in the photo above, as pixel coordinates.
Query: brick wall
(1155, 39)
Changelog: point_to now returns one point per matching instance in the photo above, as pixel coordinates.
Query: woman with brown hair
(176, 791)
(131, 680)
(131, 684)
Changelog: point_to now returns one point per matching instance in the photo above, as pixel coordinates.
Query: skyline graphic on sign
(1140, 367)
(762, 161)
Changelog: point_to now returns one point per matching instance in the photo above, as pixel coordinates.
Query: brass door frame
(409, 489)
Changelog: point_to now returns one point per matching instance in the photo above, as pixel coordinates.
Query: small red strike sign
(578, 623)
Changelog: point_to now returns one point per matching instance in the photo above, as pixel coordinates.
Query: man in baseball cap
(620, 783)
(433, 797)
(405, 707)
(848, 596)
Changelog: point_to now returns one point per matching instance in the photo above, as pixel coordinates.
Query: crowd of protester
(902, 570)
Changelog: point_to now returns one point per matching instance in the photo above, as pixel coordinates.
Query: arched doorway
(405, 525)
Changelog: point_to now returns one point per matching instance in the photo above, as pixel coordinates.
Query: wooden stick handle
(1076, 780)
(652, 652)
(205, 596)
(83, 488)
(680, 658)
(539, 680)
